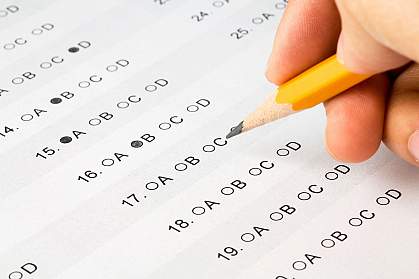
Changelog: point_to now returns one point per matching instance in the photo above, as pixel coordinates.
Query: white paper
(114, 163)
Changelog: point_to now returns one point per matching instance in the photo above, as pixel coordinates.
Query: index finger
(307, 34)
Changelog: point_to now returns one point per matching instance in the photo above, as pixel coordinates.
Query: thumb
(401, 132)
(378, 35)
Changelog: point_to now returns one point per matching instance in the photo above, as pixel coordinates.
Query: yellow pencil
(314, 86)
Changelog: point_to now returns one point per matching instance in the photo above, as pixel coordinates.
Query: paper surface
(114, 163)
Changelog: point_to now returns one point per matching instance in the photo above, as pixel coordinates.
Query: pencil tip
(235, 131)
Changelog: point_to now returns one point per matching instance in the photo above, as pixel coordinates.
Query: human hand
(369, 36)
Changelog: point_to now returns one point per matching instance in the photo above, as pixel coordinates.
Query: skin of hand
(369, 36)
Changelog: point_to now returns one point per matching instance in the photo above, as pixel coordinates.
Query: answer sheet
(114, 162)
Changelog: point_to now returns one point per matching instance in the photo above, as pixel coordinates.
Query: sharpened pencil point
(236, 131)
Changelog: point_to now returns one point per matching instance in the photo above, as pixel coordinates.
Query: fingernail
(269, 63)
(413, 145)
(340, 49)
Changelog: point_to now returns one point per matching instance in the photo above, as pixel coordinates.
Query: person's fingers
(401, 133)
(355, 120)
(378, 35)
(307, 34)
